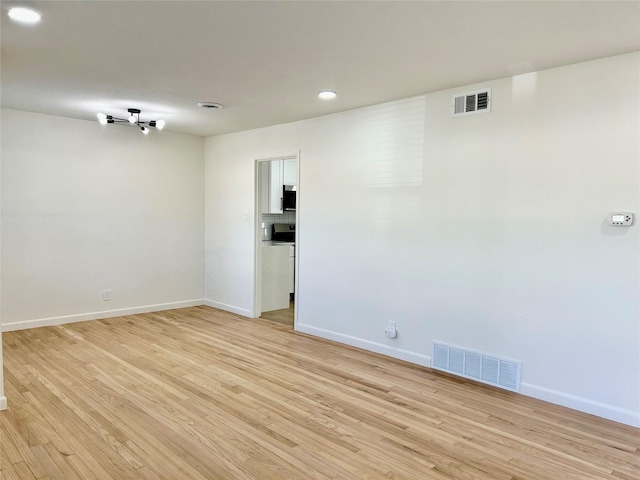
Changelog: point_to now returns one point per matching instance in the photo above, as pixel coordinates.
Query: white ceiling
(266, 61)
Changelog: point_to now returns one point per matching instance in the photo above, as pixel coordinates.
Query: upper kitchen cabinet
(276, 181)
(274, 175)
(289, 172)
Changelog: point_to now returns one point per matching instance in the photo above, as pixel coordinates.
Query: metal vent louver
(470, 103)
(500, 372)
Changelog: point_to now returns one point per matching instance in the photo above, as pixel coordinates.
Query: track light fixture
(133, 119)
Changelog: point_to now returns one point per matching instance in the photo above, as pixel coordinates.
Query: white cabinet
(276, 181)
(289, 172)
(292, 271)
(273, 176)
(275, 277)
(271, 182)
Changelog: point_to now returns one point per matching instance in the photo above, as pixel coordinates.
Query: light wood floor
(201, 394)
(284, 316)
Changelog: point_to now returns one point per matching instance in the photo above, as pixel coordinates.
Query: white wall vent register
(470, 103)
(489, 369)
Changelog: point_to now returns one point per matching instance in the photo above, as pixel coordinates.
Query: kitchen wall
(485, 231)
(286, 217)
(87, 208)
(269, 219)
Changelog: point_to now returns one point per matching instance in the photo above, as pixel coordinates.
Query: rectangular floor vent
(500, 372)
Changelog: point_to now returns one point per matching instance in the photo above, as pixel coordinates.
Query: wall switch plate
(620, 219)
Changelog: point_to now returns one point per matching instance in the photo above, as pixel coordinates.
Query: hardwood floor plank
(18, 471)
(283, 316)
(202, 394)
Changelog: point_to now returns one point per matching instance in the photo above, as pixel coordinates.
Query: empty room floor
(284, 316)
(202, 394)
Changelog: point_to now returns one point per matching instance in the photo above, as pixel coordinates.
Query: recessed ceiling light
(327, 95)
(24, 15)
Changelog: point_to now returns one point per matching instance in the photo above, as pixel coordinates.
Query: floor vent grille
(500, 372)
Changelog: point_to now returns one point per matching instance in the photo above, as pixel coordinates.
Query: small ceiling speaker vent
(210, 105)
(471, 103)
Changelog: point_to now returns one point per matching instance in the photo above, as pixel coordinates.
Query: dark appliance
(283, 232)
(289, 198)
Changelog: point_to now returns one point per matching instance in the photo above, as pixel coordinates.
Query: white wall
(87, 208)
(3, 399)
(486, 231)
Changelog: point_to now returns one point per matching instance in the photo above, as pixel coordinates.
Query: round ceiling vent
(210, 105)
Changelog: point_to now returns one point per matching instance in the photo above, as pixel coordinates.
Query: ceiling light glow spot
(24, 15)
(327, 95)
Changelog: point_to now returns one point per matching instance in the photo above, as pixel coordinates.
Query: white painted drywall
(3, 399)
(87, 208)
(490, 234)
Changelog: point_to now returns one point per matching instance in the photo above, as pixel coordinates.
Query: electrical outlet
(391, 331)
(106, 295)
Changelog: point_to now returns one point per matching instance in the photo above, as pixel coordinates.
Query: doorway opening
(276, 238)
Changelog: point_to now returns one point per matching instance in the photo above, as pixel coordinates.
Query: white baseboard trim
(628, 417)
(228, 308)
(83, 317)
(610, 412)
(398, 353)
(3, 403)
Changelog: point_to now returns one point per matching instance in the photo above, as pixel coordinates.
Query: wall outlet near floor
(106, 295)
(391, 331)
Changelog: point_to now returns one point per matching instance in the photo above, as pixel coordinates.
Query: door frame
(257, 232)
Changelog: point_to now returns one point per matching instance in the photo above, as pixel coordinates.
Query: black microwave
(289, 198)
